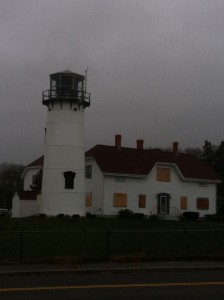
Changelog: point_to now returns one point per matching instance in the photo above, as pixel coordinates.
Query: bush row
(59, 216)
(191, 215)
(128, 214)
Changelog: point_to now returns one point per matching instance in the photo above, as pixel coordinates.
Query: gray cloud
(155, 69)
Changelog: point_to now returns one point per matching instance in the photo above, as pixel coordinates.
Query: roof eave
(205, 180)
(29, 168)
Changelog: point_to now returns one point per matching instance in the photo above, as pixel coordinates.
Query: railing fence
(24, 246)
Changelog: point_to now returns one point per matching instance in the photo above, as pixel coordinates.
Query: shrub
(139, 215)
(76, 216)
(191, 215)
(38, 216)
(60, 216)
(89, 215)
(126, 213)
(42, 215)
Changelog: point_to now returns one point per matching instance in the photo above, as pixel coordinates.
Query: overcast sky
(156, 70)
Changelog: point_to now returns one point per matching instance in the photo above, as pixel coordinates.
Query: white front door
(163, 203)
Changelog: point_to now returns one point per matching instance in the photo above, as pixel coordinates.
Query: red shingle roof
(132, 161)
(112, 159)
(37, 163)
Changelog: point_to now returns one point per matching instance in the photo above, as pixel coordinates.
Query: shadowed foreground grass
(86, 239)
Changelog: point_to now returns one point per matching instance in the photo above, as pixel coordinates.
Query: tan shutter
(203, 203)
(163, 174)
(88, 199)
(142, 201)
(120, 200)
(183, 203)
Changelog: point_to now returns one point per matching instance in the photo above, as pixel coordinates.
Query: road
(149, 285)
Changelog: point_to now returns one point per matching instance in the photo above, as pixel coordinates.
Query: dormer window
(69, 179)
(88, 171)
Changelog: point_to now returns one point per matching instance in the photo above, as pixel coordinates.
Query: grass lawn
(54, 239)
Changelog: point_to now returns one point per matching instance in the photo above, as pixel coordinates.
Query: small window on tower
(69, 179)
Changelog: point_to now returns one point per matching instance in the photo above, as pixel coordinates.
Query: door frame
(163, 208)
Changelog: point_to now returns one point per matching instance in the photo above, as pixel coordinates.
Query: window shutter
(202, 203)
(183, 203)
(142, 201)
(120, 200)
(88, 199)
(163, 174)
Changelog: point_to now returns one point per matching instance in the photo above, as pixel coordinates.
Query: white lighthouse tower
(63, 185)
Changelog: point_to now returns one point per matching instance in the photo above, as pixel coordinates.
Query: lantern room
(67, 86)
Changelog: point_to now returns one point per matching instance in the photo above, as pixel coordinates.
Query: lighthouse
(63, 184)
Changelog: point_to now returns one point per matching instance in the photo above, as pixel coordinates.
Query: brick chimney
(175, 148)
(140, 144)
(118, 140)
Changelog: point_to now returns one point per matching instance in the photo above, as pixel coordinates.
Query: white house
(148, 181)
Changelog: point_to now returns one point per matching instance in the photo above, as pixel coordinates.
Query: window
(183, 203)
(34, 180)
(88, 171)
(120, 178)
(202, 203)
(163, 174)
(89, 199)
(142, 201)
(120, 200)
(69, 179)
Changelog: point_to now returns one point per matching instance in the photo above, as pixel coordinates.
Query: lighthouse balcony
(78, 96)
